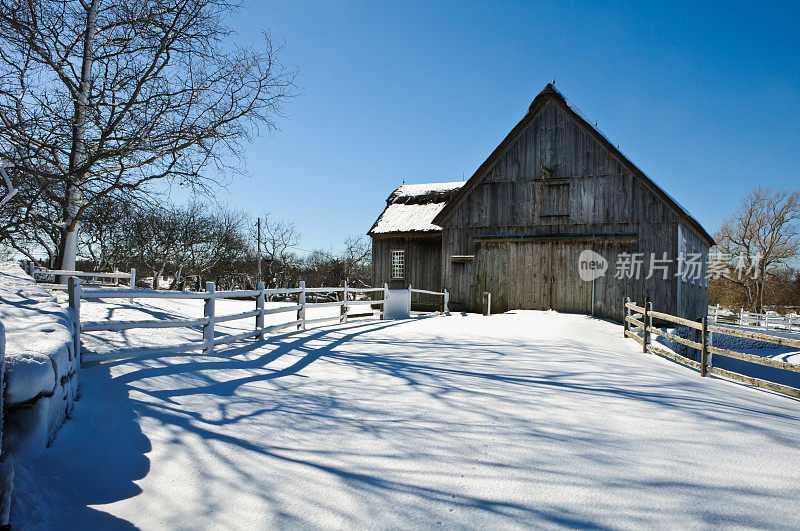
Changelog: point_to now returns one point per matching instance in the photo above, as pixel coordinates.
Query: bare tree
(221, 240)
(762, 238)
(357, 260)
(25, 224)
(152, 236)
(278, 237)
(98, 98)
(102, 234)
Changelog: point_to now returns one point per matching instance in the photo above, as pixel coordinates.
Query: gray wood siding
(603, 195)
(693, 296)
(423, 258)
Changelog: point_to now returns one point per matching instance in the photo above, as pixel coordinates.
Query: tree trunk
(69, 234)
(177, 280)
(74, 197)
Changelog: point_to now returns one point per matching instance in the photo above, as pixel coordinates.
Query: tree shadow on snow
(455, 377)
(94, 460)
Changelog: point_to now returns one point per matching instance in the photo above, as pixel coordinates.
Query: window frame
(394, 266)
(553, 198)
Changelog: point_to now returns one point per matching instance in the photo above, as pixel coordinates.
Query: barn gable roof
(412, 207)
(549, 93)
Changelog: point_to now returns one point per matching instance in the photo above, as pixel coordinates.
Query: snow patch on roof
(413, 190)
(408, 218)
(412, 207)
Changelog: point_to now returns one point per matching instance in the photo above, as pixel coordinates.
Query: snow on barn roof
(412, 207)
(414, 190)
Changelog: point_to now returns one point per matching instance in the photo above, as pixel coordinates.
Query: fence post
(716, 314)
(208, 311)
(645, 333)
(133, 278)
(704, 342)
(32, 268)
(74, 289)
(260, 308)
(626, 312)
(383, 305)
(446, 303)
(301, 312)
(741, 320)
(344, 308)
(487, 301)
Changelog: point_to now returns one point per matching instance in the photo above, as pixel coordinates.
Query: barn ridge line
(548, 94)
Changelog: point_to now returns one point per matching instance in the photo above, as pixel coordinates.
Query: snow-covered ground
(41, 369)
(526, 419)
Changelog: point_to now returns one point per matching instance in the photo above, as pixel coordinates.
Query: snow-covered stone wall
(41, 367)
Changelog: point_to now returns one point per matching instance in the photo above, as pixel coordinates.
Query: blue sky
(703, 98)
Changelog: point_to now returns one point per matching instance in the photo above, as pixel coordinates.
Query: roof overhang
(409, 234)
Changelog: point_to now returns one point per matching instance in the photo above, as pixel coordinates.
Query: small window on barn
(554, 200)
(398, 264)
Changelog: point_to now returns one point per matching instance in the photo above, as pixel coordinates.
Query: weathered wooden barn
(553, 188)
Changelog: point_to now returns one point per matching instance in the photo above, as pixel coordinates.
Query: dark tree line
(182, 247)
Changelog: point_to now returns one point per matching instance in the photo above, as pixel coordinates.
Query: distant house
(554, 188)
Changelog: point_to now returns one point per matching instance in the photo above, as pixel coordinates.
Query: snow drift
(41, 367)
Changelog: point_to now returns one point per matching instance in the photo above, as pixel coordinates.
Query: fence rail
(643, 320)
(35, 271)
(445, 295)
(789, 322)
(346, 300)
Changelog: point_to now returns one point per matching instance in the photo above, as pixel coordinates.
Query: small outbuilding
(554, 198)
(406, 245)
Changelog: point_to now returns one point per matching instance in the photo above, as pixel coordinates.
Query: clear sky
(704, 97)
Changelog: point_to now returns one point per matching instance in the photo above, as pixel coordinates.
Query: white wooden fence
(346, 300)
(445, 306)
(643, 320)
(790, 322)
(41, 276)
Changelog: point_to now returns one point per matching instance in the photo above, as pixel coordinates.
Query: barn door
(568, 293)
(517, 274)
(533, 275)
(492, 270)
